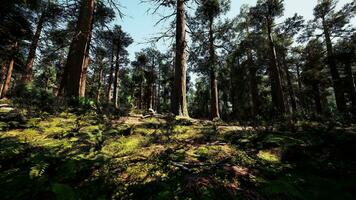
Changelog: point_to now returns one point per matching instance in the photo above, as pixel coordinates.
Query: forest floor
(73, 156)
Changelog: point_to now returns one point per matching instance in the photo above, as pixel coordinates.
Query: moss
(186, 121)
(89, 129)
(124, 145)
(270, 156)
(144, 131)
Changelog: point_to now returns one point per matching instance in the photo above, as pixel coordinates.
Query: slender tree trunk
(214, 104)
(233, 89)
(117, 76)
(317, 98)
(78, 49)
(158, 101)
(7, 79)
(337, 82)
(112, 68)
(179, 104)
(2, 74)
(27, 77)
(140, 97)
(83, 76)
(149, 93)
(276, 86)
(253, 84)
(290, 85)
(100, 82)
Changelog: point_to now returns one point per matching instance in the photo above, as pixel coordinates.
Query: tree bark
(77, 52)
(179, 103)
(2, 74)
(27, 77)
(276, 86)
(337, 82)
(289, 85)
(83, 77)
(7, 79)
(214, 104)
(317, 98)
(100, 82)
(117, 76)
(112, 68)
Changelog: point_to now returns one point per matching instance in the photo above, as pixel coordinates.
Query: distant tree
(121, 40)
(48, 12)
(15, 27)
(207, 12)
(264, 15)
(333, 23)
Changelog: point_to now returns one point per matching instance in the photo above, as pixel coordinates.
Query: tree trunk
(179, 104)
(140, 97)
(214, 104)
(116, 77)
(290, 85)
(2, 74)
(337, 82)
(79, 47)
(27, 77)
(100, 82)
(158, 101)
(317, 98)
(112, 68)
(276, 86)
(253, 84)
(83, 77)
(7, 79)
(233, 88)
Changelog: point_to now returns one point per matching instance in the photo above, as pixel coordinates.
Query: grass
(71, 156)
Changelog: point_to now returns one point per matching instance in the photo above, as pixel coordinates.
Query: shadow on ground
(70, 156)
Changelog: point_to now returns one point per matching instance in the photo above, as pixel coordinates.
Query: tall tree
(121, 40)
(47, 12)
(265, 13)
(76, 60)
(333, 23)
(180, 106)
(207, 12)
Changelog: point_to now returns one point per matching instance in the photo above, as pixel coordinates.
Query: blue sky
(140, 24)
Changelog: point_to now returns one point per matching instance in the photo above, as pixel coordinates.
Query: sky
(140, 23)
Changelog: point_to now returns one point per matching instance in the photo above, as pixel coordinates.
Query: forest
(258, 106)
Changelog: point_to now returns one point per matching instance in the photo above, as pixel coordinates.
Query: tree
(75, 69)
(207, 12)
(14, 29)
(313, 75)
(180, 106)
(264, 14)
(47, 12)
(333, 23)
(121, 40)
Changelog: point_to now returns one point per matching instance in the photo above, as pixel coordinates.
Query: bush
(34, 97)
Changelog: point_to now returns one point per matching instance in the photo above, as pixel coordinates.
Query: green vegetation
(76, 156)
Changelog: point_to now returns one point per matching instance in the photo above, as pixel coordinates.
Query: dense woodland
(259, 106)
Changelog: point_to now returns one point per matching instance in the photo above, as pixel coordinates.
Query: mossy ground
(70, 156)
